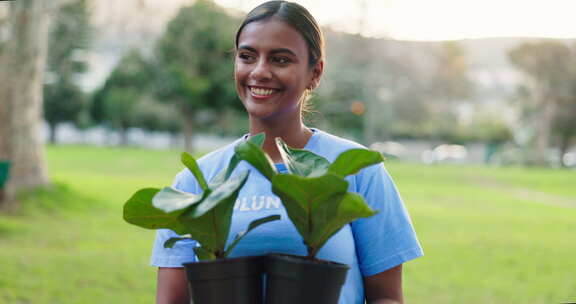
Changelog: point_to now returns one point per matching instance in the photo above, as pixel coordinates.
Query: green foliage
(205, 218)
(545, 61)
(184, 85)
(194, 67)
(69, 38)
(209, 217)
(302, 162)
(116, 104)
(351, 161)
(253, 154)
(126, 100)
(314, 192)
(451, 82)
(140, 211)
(405, 88)
(548, 98)
(153, 115)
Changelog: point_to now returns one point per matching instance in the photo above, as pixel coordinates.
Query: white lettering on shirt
(272, 201)
(256, 203)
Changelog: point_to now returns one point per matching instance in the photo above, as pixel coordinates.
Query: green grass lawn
(491, 235)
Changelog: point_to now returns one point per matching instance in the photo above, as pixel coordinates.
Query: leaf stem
(215, 224)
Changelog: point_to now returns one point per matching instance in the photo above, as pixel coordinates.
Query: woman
(279, 59)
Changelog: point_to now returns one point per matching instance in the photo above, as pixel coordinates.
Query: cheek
(236, 72)
(298, 80)
(241, 72)
(239, 76)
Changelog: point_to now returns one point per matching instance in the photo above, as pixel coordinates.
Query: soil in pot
(294, 279)
(226, 281)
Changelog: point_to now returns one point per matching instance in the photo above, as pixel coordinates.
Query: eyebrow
(274, 51)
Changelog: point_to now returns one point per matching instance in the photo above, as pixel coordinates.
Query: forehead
(272, 34)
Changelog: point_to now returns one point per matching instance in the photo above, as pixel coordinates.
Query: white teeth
(261, 92)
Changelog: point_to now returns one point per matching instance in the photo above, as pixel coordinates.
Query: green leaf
(225, 173)
(209, 221)
(219, 195)
(330, 216)
(301, 162)
(251, 226)
(170, 199)
(172, 241)
(203, 254)
(254, 155)
(257, 139)
(140, 211)
(234, 161)
(202, 230)
(300, 195)
(351, 161)
(192, 165)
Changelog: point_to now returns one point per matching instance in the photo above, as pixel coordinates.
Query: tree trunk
(21, 79)
(123, 136)
(52, 131)
(187, 127)
(543, 130)
(565, 138)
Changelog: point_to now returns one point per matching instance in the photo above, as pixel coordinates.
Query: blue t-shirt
(369, 246)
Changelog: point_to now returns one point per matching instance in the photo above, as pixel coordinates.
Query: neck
(295, 134)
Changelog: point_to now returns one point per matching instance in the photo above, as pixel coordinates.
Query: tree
(349, 96)
(547, 66)
(451, 83)
(22, 58)
(70, 35)
(449, 86)
(194, 65)
(564, 126)
(152, 115)
(116, 103)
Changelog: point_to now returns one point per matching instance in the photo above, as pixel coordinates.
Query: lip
(256, 96)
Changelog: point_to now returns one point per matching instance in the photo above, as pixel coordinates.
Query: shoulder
(330, 146)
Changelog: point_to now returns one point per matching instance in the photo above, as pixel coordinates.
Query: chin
(260, 114)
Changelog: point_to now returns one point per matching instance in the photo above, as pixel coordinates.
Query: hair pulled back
(296, 16)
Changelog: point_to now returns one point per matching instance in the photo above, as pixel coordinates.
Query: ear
(317, 72)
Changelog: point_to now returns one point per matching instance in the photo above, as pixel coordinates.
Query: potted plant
(314, 194)
(205, 218)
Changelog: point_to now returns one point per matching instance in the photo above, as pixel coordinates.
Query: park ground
(490, 235)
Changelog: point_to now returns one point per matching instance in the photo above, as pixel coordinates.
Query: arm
(384, 287)
(172, 286)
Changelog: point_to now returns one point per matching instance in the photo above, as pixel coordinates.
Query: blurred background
(472, 102)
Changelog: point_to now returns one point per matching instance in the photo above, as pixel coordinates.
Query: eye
(282, 60)
(245, 56)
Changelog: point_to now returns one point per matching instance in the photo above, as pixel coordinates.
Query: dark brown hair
(296, 16)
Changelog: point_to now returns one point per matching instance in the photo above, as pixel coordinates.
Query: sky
(441, 19)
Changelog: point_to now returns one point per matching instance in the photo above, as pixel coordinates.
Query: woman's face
(272, 70)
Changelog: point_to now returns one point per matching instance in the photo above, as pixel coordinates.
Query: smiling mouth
(262, 92)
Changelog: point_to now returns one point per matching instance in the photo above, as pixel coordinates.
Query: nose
(261, 71)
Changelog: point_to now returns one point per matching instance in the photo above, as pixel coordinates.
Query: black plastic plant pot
(226, 281)
(294, 279)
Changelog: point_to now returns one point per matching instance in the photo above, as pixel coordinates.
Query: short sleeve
(182, 251)
(386, 239)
